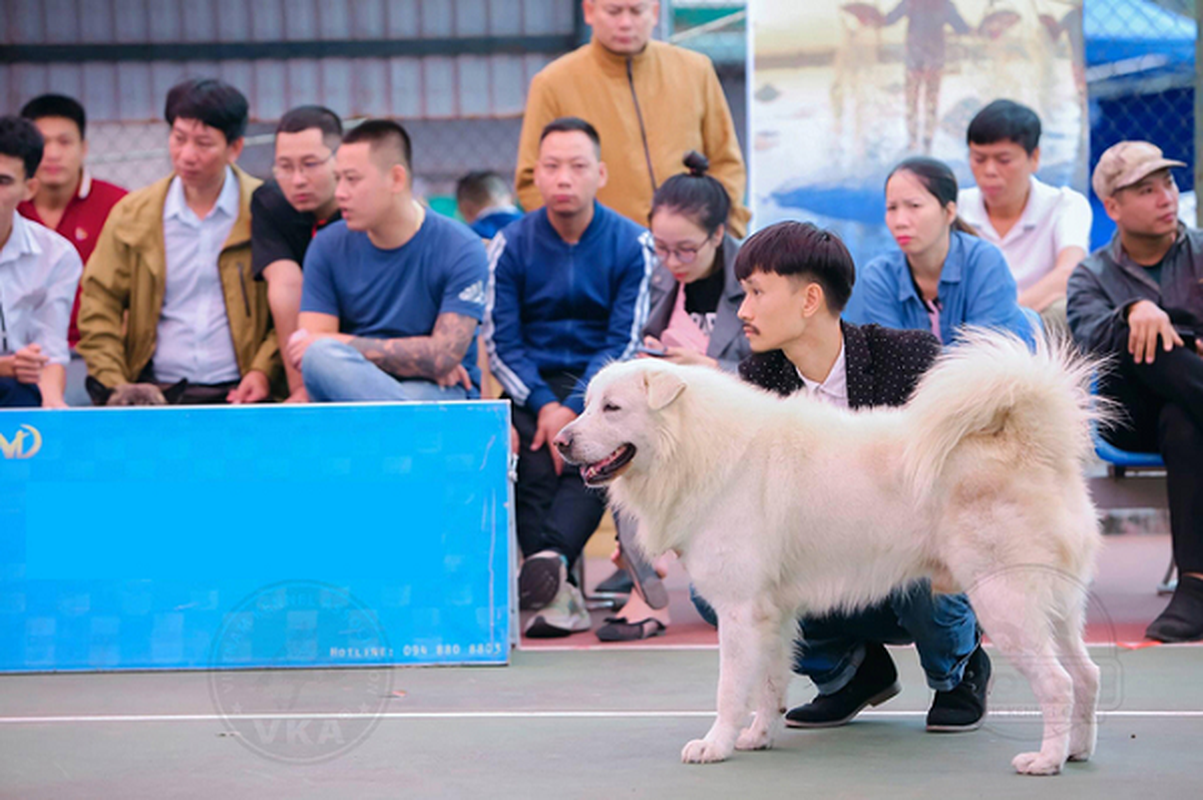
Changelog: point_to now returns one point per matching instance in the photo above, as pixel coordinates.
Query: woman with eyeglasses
(694, 297)
(694, 293)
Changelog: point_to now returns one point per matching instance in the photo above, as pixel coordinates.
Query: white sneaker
(564, 615)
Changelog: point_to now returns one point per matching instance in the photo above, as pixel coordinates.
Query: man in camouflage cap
(1139, 300)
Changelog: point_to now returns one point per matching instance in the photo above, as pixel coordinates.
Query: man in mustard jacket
(650, 102)
(176, 257)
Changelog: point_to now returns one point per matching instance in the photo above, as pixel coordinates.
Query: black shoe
(618, 583)
(964, 707)
(1182, 620)
(875, 681)
(539, 579)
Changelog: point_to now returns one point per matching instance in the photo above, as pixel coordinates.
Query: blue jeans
(14, 394)
(942, 627)
(338, 373)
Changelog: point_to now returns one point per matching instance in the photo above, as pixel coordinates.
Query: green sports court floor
(567, 724)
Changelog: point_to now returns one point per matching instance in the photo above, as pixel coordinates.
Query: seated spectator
(69, 201)
(287, 213)
(485, 202)
(798, 279)
(167, 295)
(694, 300)
(392, 294)
(1044, 232)
(694, 294)
(1138, 302)
(568, 294)
(39, 271)
(942, 276)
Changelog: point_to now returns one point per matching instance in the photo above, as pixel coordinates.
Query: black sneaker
(540, 578)
(964, 707)
(1182, 620)
(875, 681)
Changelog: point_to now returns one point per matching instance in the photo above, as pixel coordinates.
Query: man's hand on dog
(1146, 322)
(552, 419)
(254, 388)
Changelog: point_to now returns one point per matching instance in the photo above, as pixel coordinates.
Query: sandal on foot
(618, 629)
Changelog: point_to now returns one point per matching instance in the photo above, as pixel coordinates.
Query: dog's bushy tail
(992, 383)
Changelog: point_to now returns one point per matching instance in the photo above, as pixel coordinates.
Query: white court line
(668, 714)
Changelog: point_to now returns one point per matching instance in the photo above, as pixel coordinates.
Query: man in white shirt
(797, 279)
(39, 271)
(1043, 231)
(169, 295)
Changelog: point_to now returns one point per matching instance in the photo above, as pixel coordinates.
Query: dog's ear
(99, 393)
(662, 388)
(175, 391)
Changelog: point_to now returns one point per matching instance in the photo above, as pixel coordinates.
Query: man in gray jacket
(1139, 300)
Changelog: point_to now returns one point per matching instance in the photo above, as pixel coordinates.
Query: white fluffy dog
(780, 507)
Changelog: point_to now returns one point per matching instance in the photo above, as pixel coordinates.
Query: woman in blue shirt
(942, 276)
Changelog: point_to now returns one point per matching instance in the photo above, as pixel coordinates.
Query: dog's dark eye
(610, 407)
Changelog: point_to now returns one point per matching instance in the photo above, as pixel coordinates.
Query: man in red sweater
(68, 200)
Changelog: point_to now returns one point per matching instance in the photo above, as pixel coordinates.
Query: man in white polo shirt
(39, 271)
(1043, 231)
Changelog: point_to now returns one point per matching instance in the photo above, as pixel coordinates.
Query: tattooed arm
(432, 357)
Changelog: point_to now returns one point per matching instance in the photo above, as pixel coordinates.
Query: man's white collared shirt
(39, 272)
(834, 389)
(193, 339)
(1053, 219)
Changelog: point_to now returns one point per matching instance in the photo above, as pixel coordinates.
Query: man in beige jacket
(650, 102)
(176, 257)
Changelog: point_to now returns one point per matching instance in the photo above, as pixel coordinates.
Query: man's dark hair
(568, 124)
(799, 249)
(211, 101)
(56, 105)
(302, 118)
(1005, 120)
(383, 133)
(20, 138)
(481, 187)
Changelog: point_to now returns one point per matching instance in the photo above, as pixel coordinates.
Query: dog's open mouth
(609, 467)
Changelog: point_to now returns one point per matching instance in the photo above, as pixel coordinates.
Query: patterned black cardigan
(883, 365)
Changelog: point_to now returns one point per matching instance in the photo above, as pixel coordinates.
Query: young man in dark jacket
(798, 279)
(568, 293)
(1140, 301)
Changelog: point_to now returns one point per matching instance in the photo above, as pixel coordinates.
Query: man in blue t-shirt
(392, 295)
(568, 294)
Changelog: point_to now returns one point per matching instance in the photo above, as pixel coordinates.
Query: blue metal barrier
(237, 537)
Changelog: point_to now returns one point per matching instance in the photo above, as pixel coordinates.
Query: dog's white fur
(780, 507)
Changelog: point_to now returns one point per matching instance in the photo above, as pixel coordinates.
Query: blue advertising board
(254, 536)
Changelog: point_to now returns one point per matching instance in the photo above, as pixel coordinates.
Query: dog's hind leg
(770, 703)
(1085, 674)
(743, 635)
(1014, 614)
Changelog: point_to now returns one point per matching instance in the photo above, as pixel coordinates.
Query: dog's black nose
(563, 441)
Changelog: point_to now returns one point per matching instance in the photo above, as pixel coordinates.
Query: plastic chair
(1119, 462)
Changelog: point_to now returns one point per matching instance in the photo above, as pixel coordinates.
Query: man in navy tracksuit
(568, 294)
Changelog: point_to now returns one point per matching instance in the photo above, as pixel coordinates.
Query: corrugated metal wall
(420, 87)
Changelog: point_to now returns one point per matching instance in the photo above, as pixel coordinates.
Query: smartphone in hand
(651, 351)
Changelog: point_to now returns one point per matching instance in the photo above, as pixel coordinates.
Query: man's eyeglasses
(284, 170)
(685, 253)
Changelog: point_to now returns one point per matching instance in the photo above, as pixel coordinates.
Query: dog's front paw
(1036, 764)
(754, 737)
(704, 751)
